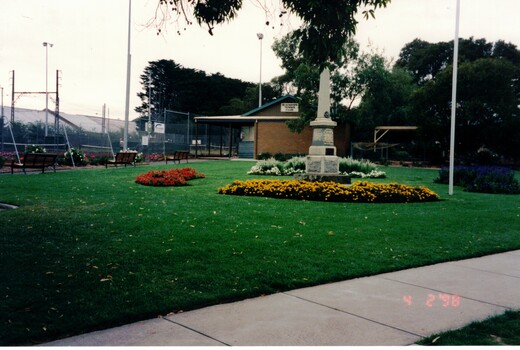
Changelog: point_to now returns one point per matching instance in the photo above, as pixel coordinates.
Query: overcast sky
(90, 43)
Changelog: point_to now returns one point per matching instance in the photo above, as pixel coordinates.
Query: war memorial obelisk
(322, 164)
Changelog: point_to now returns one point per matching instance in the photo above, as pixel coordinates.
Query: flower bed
(172, 177)
(484, 179)
(361, 191)
(347, 166)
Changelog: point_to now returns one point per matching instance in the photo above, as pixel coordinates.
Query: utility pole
(46, 45)
(260, 36)
(12, 100)
(57, 109)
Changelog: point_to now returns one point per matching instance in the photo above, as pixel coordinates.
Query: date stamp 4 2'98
(435, 300)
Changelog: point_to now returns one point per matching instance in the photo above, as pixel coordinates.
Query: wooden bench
(178, 156)
(35, 161)
(126, 158)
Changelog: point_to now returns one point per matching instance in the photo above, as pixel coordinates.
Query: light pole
(2, 121)
(46, 44)
(260, 36)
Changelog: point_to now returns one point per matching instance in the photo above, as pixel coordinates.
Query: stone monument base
(342, 179)
(319, 164)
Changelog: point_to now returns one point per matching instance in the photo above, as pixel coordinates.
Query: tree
(385, 100)
(238, 106)
(424, 60)
(487, 108)
(301, 77)
(326, 24)
(177, 88)
(355, 76)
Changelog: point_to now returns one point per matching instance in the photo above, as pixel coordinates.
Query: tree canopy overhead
(327, 24)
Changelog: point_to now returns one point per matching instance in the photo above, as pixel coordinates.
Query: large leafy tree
(301, 78)
(184, 89)
(424, 60)
(385, 100)
(326, 23)
(356, 76)
(488, 112)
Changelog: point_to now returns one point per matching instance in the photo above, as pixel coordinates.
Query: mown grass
(497, 330)
(91, 249)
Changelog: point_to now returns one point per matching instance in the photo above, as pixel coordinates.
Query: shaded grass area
(91, 249)
(498, 330)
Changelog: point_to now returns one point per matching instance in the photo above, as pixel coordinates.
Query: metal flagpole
(454, 98)
(128, 65)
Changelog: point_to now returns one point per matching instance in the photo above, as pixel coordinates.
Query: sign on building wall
(159, 128)
(289, 107)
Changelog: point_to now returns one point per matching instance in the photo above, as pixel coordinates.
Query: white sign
(144, 140)
(289, 107)
(159, 128)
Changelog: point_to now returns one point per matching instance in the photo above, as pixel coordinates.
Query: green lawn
(91, 249)
(498, 330)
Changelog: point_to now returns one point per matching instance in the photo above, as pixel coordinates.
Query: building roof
(251, 117)
(269, 104)
(85, 122)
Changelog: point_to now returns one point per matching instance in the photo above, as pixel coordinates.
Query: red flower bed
(172, 177)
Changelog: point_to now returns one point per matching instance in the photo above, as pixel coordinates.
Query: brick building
(264, 130)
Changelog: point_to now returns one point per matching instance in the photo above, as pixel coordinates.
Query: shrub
(139, 157)
(364, 192)
(154, 157)
(280, 157)
(172, 177)
(7, 157)
(349, 165)
(264, 156)
(296, 165)
(76, 155)
(484, 179)
(267, 167)
(35, 149)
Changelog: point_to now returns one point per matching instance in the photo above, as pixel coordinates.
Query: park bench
(125, 158)
(178, 156)
(35, 161)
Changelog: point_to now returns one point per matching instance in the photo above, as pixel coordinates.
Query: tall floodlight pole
(149, 104)
(46, 45)
(260, 36)
(128, 65)
(454, 98)
(2, 119)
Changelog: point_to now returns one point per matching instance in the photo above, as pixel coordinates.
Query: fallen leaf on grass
(108, 278)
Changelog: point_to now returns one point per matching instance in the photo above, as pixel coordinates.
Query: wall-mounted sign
(289, 107)
(144, 140)
(159, 128)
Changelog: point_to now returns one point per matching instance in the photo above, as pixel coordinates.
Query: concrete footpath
(397, 308)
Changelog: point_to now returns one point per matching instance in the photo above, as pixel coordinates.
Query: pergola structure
(385, 129)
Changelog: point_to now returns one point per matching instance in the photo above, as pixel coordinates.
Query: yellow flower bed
(362, 191)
